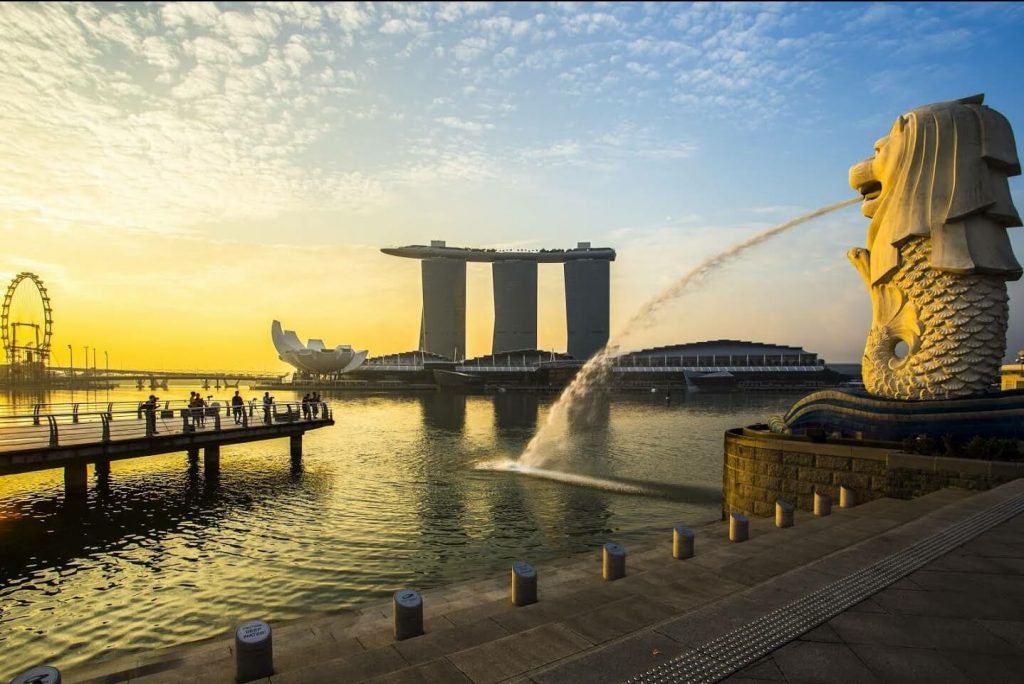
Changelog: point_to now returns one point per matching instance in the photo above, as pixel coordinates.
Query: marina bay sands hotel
(443, 323)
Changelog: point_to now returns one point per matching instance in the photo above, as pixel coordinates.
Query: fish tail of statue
(954, 327)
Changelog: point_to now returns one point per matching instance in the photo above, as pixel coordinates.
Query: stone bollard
(613, 562)
(524, 584)
(254, 651)
(822, 504)
(739, 527)
(41, 674)
(682, 543)
(408, 614)
(847, 498)
(783, 514)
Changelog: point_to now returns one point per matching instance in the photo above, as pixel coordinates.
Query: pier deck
(66, 438)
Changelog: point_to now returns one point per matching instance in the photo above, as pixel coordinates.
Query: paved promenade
(960, 617)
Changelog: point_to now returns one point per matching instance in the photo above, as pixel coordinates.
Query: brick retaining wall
(762, 467)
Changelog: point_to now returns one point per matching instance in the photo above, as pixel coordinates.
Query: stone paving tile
(893, 664)
(554, 610)
(513, 655)
(1011, 631)
(351, 669)
(711, 621)
(814, 661)
(985, 667)
(759, 670)
(913, 631)
(618, 618)
(613, 662)
(439, 671)
(976, 602)
(440, 643)
(383, 635)
(869, 606)
(822, 633)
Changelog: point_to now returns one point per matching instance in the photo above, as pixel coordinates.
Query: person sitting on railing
(236, 405)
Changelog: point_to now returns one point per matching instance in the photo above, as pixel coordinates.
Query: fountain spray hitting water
(577, 404)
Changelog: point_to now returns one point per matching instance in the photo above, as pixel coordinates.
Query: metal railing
(67, 424)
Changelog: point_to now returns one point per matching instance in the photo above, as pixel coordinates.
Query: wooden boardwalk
(61, 436)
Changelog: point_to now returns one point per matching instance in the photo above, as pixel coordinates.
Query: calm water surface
(389, 497)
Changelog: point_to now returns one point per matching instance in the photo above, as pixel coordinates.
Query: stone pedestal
(847, 498)
(613, 562)
(739, 527)
(524, 584)
(408, 608)
(822, 504)
(783, 514)
(682, 543)
(254, 651)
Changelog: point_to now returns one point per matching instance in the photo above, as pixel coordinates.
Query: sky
(182, 174)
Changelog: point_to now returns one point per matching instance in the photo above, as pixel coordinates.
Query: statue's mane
(951, 185)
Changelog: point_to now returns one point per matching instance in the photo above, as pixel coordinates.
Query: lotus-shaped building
(314, 356)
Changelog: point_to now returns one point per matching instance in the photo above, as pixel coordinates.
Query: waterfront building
(714, 365)
(314, 358)
(1013, 373)
(514, 272)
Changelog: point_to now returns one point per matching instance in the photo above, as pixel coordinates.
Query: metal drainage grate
(725, 655)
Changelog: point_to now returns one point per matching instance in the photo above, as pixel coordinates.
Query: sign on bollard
(254, 651)
(42, 674)
(408, 614)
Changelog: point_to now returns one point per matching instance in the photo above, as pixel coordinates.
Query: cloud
(464, 125)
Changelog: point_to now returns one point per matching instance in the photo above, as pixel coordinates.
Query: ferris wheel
(27, 341)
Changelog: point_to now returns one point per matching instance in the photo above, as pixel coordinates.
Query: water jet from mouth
(576, 408)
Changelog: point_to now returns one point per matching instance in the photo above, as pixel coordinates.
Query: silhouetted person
(306, 412)
(267, 401)
(314, 404)
(193, 410)
(236, 406)
(149, 407)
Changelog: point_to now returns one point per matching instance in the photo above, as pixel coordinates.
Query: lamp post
(106, 363)
(71, 354)
(86, 359)
(93, 360)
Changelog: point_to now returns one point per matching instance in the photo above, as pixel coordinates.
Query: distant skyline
(180, 175)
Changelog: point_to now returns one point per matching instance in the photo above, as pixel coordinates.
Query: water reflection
(389, 497)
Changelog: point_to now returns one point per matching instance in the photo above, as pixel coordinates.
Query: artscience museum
(314, 357)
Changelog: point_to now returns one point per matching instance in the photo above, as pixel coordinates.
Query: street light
(86, 359)
(71, 353)
(106, 363)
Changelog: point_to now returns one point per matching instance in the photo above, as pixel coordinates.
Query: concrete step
(473, 633)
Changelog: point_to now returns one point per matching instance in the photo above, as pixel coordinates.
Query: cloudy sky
(182, 174)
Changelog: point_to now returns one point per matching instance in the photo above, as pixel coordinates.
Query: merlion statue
(938, 255)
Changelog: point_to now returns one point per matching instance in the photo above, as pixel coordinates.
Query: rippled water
(391, 496)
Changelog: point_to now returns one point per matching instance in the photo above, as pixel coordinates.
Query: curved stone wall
(761, 467)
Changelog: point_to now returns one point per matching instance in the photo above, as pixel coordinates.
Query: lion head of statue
(941, 173)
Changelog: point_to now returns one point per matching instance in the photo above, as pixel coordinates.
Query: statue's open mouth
(870, 190)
